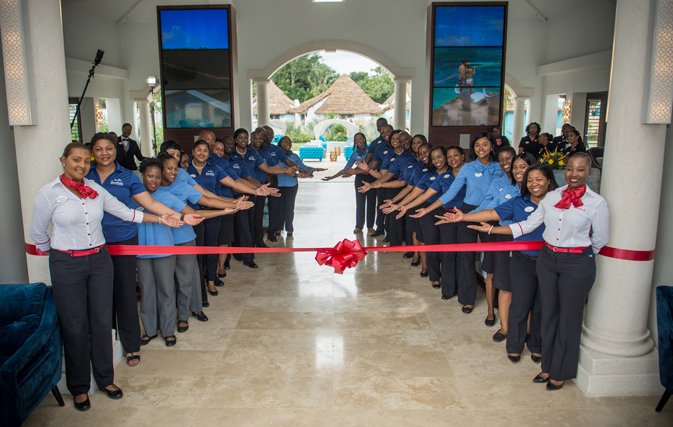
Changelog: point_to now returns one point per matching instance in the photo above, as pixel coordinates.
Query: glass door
(594, 127)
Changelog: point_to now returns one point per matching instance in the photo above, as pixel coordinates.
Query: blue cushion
(21, 309)
(665, 330)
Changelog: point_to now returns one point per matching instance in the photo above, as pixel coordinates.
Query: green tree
(304, 77)
(360, 77)
(379, 86)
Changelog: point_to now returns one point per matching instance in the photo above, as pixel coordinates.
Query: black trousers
(365, 202)
(199, 229)
(380, 216)
(242, 231)
(395, 227)
(565, 282)
(525, 299)
(125, 301)
(274, 210)
(501, 264)
(448, 234)
(288, 196)
(83, 294)
(207, 236)
(467, 290)
(257, 226)
(431, 237)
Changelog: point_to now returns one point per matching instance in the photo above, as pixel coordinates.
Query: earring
(63, 165)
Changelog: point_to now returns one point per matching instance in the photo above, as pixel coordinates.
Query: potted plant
(558, 161)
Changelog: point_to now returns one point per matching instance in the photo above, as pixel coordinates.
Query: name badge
(410, 166)
(508, 196)
(447, 175)
(478, 174)
(193, 175)
(433, 178)
(393, 159)
(140, 209)
(61, 199)
(425, 170)
(529, 209)
(385, 152)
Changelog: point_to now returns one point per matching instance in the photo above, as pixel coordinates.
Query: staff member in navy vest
(530, 143)
(374, 161)
(125, 186)
(81, 269)
(576, 224)
(127, 149)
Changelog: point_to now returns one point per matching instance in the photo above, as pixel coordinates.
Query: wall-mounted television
(195, 52)
(468, 56)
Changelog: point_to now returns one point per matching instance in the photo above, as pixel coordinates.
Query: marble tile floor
(293, 344)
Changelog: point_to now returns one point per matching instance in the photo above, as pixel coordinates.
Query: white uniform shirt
(587, 225)
(76, 222)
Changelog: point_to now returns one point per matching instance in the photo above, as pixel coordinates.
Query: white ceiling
(113, 10)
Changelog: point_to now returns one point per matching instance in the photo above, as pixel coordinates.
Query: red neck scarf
(83, 190)
(573, 197)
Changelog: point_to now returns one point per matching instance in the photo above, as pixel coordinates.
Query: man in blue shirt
(374, 159)
(380, 123)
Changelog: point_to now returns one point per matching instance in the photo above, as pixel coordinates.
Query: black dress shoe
(535, 359)
(213, 293)
(84, 406)
(377, 233)
(112, 394)
(262, 245)
(514, 359)
(200, 316)
(444, 297)
(386, 240)
(205, 304)
(424, 274)
(145, 339)
(408, 255)
(436, 285)
(540, 379)
(250, 264)
(218, 282)
(238, 257)
(489, 322)
(271, 238)
(182, 329)
(227, 266)
(554, 387)
(499, 337)
(170, 343)
(467, 310)
(416, 264)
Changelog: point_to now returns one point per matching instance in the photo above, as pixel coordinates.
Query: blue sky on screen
(469, 26)
(194, 29)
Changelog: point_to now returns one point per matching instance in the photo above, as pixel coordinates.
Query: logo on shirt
(61, 199)
(478, 174)
(210, 173)
(447, 175)
(529, 209)
(251, 158)
(580, 208)
(117, 181)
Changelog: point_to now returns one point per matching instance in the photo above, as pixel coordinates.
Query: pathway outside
(293, 344)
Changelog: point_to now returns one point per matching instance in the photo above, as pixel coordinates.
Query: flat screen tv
(467, 72)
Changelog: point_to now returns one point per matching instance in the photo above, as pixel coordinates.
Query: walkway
(294, 344)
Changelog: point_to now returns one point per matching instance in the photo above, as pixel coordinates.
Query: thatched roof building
(343, 97)
(388, 104)
(279, 103)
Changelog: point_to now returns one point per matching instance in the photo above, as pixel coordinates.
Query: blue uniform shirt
(210, 175)
(519, 209)
(424, 178)
(251, 159)
(183, 176)
(223, 190)
(442, 185)
(380, 153)
(188, 195)
(123, 184)
(409, 172)
(497, 193)
(291, 181)
(151, 234)
(375, 144)
(477, 177)
(357, 156)
(276, 153)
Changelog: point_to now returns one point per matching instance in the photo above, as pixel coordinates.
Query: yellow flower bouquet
(555, 160)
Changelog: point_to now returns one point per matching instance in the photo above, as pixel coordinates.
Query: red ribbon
(346, 254)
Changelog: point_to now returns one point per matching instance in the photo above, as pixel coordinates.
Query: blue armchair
(665, 329)
(30, 350)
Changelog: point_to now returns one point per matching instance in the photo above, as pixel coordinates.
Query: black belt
(524, 256)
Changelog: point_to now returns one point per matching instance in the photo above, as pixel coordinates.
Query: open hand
(484, 227)
(366, 187)
(243, 205)
(419, 213)
(169, 220)
(403, 210)
(193, 219)
(362, 165)
(388, 209)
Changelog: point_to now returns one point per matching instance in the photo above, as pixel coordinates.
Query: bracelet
(490, 229)
(159, 218)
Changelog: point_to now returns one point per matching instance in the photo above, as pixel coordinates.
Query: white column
(145, 127)
(39, 147)
(263, 117)
(400, 100)
(616, 354)
(518, 122)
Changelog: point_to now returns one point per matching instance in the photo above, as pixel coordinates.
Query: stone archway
(321, 127)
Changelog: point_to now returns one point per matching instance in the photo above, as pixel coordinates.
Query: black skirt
(226, 235)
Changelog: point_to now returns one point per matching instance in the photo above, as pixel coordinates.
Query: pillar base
(600, 375)
(117, 356)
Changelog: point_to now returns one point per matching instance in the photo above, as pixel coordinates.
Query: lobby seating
(30, 350)
(665, 330)
(311, 153)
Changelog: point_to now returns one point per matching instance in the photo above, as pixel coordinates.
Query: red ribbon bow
(83, 190)
(573, 197)
(346, 254)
